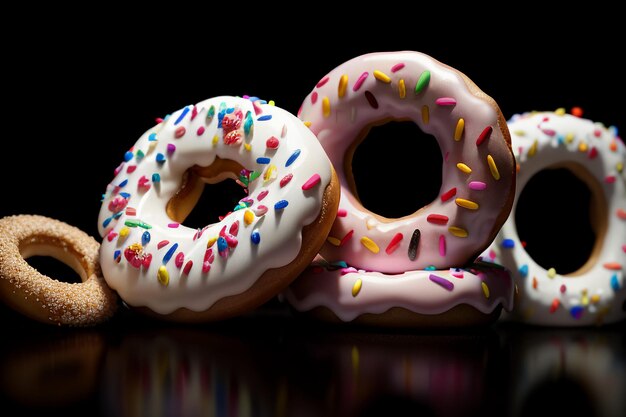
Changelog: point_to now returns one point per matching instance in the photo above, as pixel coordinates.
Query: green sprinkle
(422, 82)
(137, 223)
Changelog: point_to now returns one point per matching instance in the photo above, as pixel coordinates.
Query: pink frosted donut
(426, 298)
(478, 172)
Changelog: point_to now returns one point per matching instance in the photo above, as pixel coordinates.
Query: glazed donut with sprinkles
(415, 270)
(168, 270)
(594, 293)
(478, 172)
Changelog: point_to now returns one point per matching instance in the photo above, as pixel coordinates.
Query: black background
(79, 87)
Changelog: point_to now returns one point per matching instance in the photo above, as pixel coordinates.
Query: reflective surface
(273, 364)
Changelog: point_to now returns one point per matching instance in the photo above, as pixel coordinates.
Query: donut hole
(396, 168)
(215, 200)
(53, 260)
(560, 218)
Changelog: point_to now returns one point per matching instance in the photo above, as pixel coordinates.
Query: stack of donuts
(301, 232)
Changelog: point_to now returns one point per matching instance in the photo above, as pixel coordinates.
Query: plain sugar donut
(595, 293)
(478, 165)
(43, 298)
(226, 268)
(469, 296)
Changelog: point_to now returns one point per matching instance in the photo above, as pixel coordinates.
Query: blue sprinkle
(281, 204)
(293, 157)
(167, 117)
(340, 264)
(117, 254)
(117, 215)
(577, 311)
(128, 156)
(123, 183)
(430, 268)
(182, 116)
(106, 222)
(160, 158)
(265, 117)
(125, 195)
(230, 110)
(247, 124)
(222, 245)
(508, 243)
(614, 283)
(253, 99)
(255, 237)
(170, 253)
(156, 177)
(152, 137)
(145, 238)
(523, 271)
(263, 160)
(220, 114)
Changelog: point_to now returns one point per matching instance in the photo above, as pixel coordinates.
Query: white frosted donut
(425, 298)
(595, 293)
(229, 267)
(478, 171)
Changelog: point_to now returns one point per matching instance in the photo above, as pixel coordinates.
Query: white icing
(280, 230)
(344, 119)
(413, 290)
(541, 140)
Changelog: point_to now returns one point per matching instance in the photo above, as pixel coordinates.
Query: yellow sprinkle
(533, 149)
(569, 138)
(151, 147)
(163, 276)
(458, 132)
(619, 166)
(307, 124)
(458, 231)
(124, 232)
(401, 88)
(425, 114)
(369, 244)
(485, 289)
(464, 168)
(560, 111)
(136, 247)
(269, 172)
(343, 85)
(271, 103)
(468, 204)
(520, 132)
(381, 76)
(215, 140)
(211, 241)
(326, 106)
(248, 217)
(551, 273)
(247, 147)
(493, 167)
(333, 241)
(356, 288)
(582, 146)
(595, 299)
(584, 300)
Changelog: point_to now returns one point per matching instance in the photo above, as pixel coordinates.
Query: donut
(455, 297)
(478, 170)
(593, 293)
(167, 270)
(43, 298)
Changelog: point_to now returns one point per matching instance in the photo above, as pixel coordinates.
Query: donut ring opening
(598, 213)
(44, 298)
(421, 202)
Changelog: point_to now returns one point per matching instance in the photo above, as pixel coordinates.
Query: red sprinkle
(131, 211)
(555, 305)
(200, 131)
(162, 243)
(609, 179)
(262, 195)
(342, 213)
(194, 112)
(187, 267)
(397, 67)
(314, 97)
(621, 213)
(437, 219)
(614, 266)
(272, 142)
(322, 82)
(448, 194)
(445, 101)
(484, 135)
(311, 182)
(285, 180)
(179, 132)
(180, 258)
(173, 225)
(371, 99)
(131, 168)
(593, 153)
(359, 82)
(393, 245)
(597, 133)
(577, 111)
(347, 237)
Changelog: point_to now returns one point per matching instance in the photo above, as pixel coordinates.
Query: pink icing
(381, 86)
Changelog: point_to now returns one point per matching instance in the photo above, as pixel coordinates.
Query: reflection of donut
(595, 292)
(40, 297)
(478, 171)
(433, 298)
(228, 267)
(46, 370)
